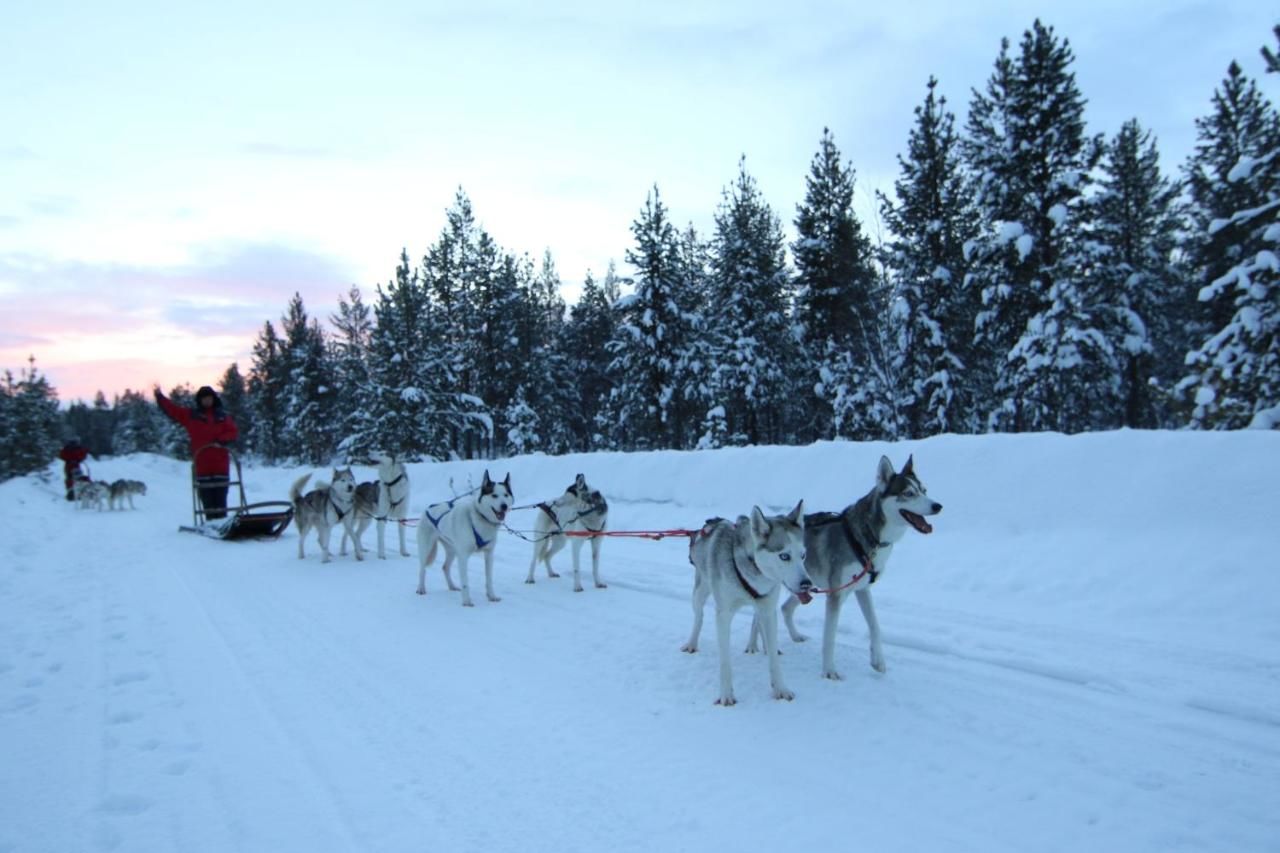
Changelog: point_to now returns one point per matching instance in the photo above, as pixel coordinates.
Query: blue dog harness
(436, 519)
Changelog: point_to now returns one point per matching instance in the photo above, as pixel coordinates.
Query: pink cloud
(86, 324)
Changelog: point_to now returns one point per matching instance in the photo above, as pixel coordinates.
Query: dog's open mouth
(501, 515)
(916, 521)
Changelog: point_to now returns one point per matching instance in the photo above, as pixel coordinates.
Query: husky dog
(384, 498)
(122, 489)
(848, 552)
(92, 494)
(747, 562)
(581, 509)
(323, 507)
(465, 527)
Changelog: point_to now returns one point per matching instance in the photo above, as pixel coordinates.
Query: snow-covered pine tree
(548, 383)
(234, 393)
(838, 308)
(931, 220)
(409, 370)
(140, 426)
(463, 261)
(588, 332)
(1235, 176)
(349, 347)
(30, 422)
(645, 410)
(1031, 159)
(1139, 283)
(747, 322)
(309, 395)
(694, 372)
(268, 379)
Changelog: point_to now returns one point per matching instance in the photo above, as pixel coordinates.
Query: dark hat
(206, 391)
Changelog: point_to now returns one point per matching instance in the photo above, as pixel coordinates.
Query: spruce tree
(652, 331)
(838, 306)
(747, 322)
(268, 395)
(589, 330)
(931, 220)
(1139, 282)
(350, 351)
(30, 421)
(1031, 160)
(1234, 378)
(234, 393)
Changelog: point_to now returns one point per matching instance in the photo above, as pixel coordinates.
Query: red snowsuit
(72, 455)
(211, 427)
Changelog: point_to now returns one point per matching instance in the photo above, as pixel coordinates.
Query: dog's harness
(436, 519)
(339, 510)
(868, 567)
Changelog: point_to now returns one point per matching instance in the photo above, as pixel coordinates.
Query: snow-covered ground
(1085, 655)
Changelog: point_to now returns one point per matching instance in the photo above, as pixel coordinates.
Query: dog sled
(262, 520)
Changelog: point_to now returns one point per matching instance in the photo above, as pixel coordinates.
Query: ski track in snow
(159, 691)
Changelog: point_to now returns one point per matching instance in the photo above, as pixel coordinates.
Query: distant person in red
(72, 454)
(207, 424)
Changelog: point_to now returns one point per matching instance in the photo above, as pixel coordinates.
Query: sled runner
(263, 520)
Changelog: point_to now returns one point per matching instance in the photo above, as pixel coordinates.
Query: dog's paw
(530, 580)
(799, 638)
(832, 675)
(751, 649)
(689, 648)
(494, 598)
(468, 604)
(420, 591)
(727, 700)
(879, 666)
(602, 586)
(578, 588)
(783, 693)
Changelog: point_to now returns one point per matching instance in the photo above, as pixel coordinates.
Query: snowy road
(159, 691)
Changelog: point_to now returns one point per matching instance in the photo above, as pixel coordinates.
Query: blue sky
(171, 173)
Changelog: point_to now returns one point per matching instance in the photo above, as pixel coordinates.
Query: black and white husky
(125, 489)
(848, 552)
(379, 500)
(323, 507)
(465, 526)
(581, 509)
(747, 562)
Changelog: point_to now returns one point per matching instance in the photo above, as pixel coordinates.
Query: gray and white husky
(747, 562)
(848, 551)
(125, 489)
(323, 507)
(465, 526)
(581, 509)
(92, 494)
(378, 500)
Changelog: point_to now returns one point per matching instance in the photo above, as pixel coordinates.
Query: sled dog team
(100, 495)
(749, 561)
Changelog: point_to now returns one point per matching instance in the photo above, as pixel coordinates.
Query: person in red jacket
(72, 454)
(210, 429)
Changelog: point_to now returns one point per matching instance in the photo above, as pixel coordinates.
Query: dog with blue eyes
(748, 561)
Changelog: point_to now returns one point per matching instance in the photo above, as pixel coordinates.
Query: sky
(171, 174)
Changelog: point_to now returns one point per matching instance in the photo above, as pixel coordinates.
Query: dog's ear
(797, 515)
(507, 482)
(580, 482)
(486, 485)
(907, 470)
(759, 524)
(884, 473)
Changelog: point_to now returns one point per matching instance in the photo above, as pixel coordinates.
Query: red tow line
(635, 534)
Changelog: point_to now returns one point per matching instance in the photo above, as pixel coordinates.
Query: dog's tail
(295, 491)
